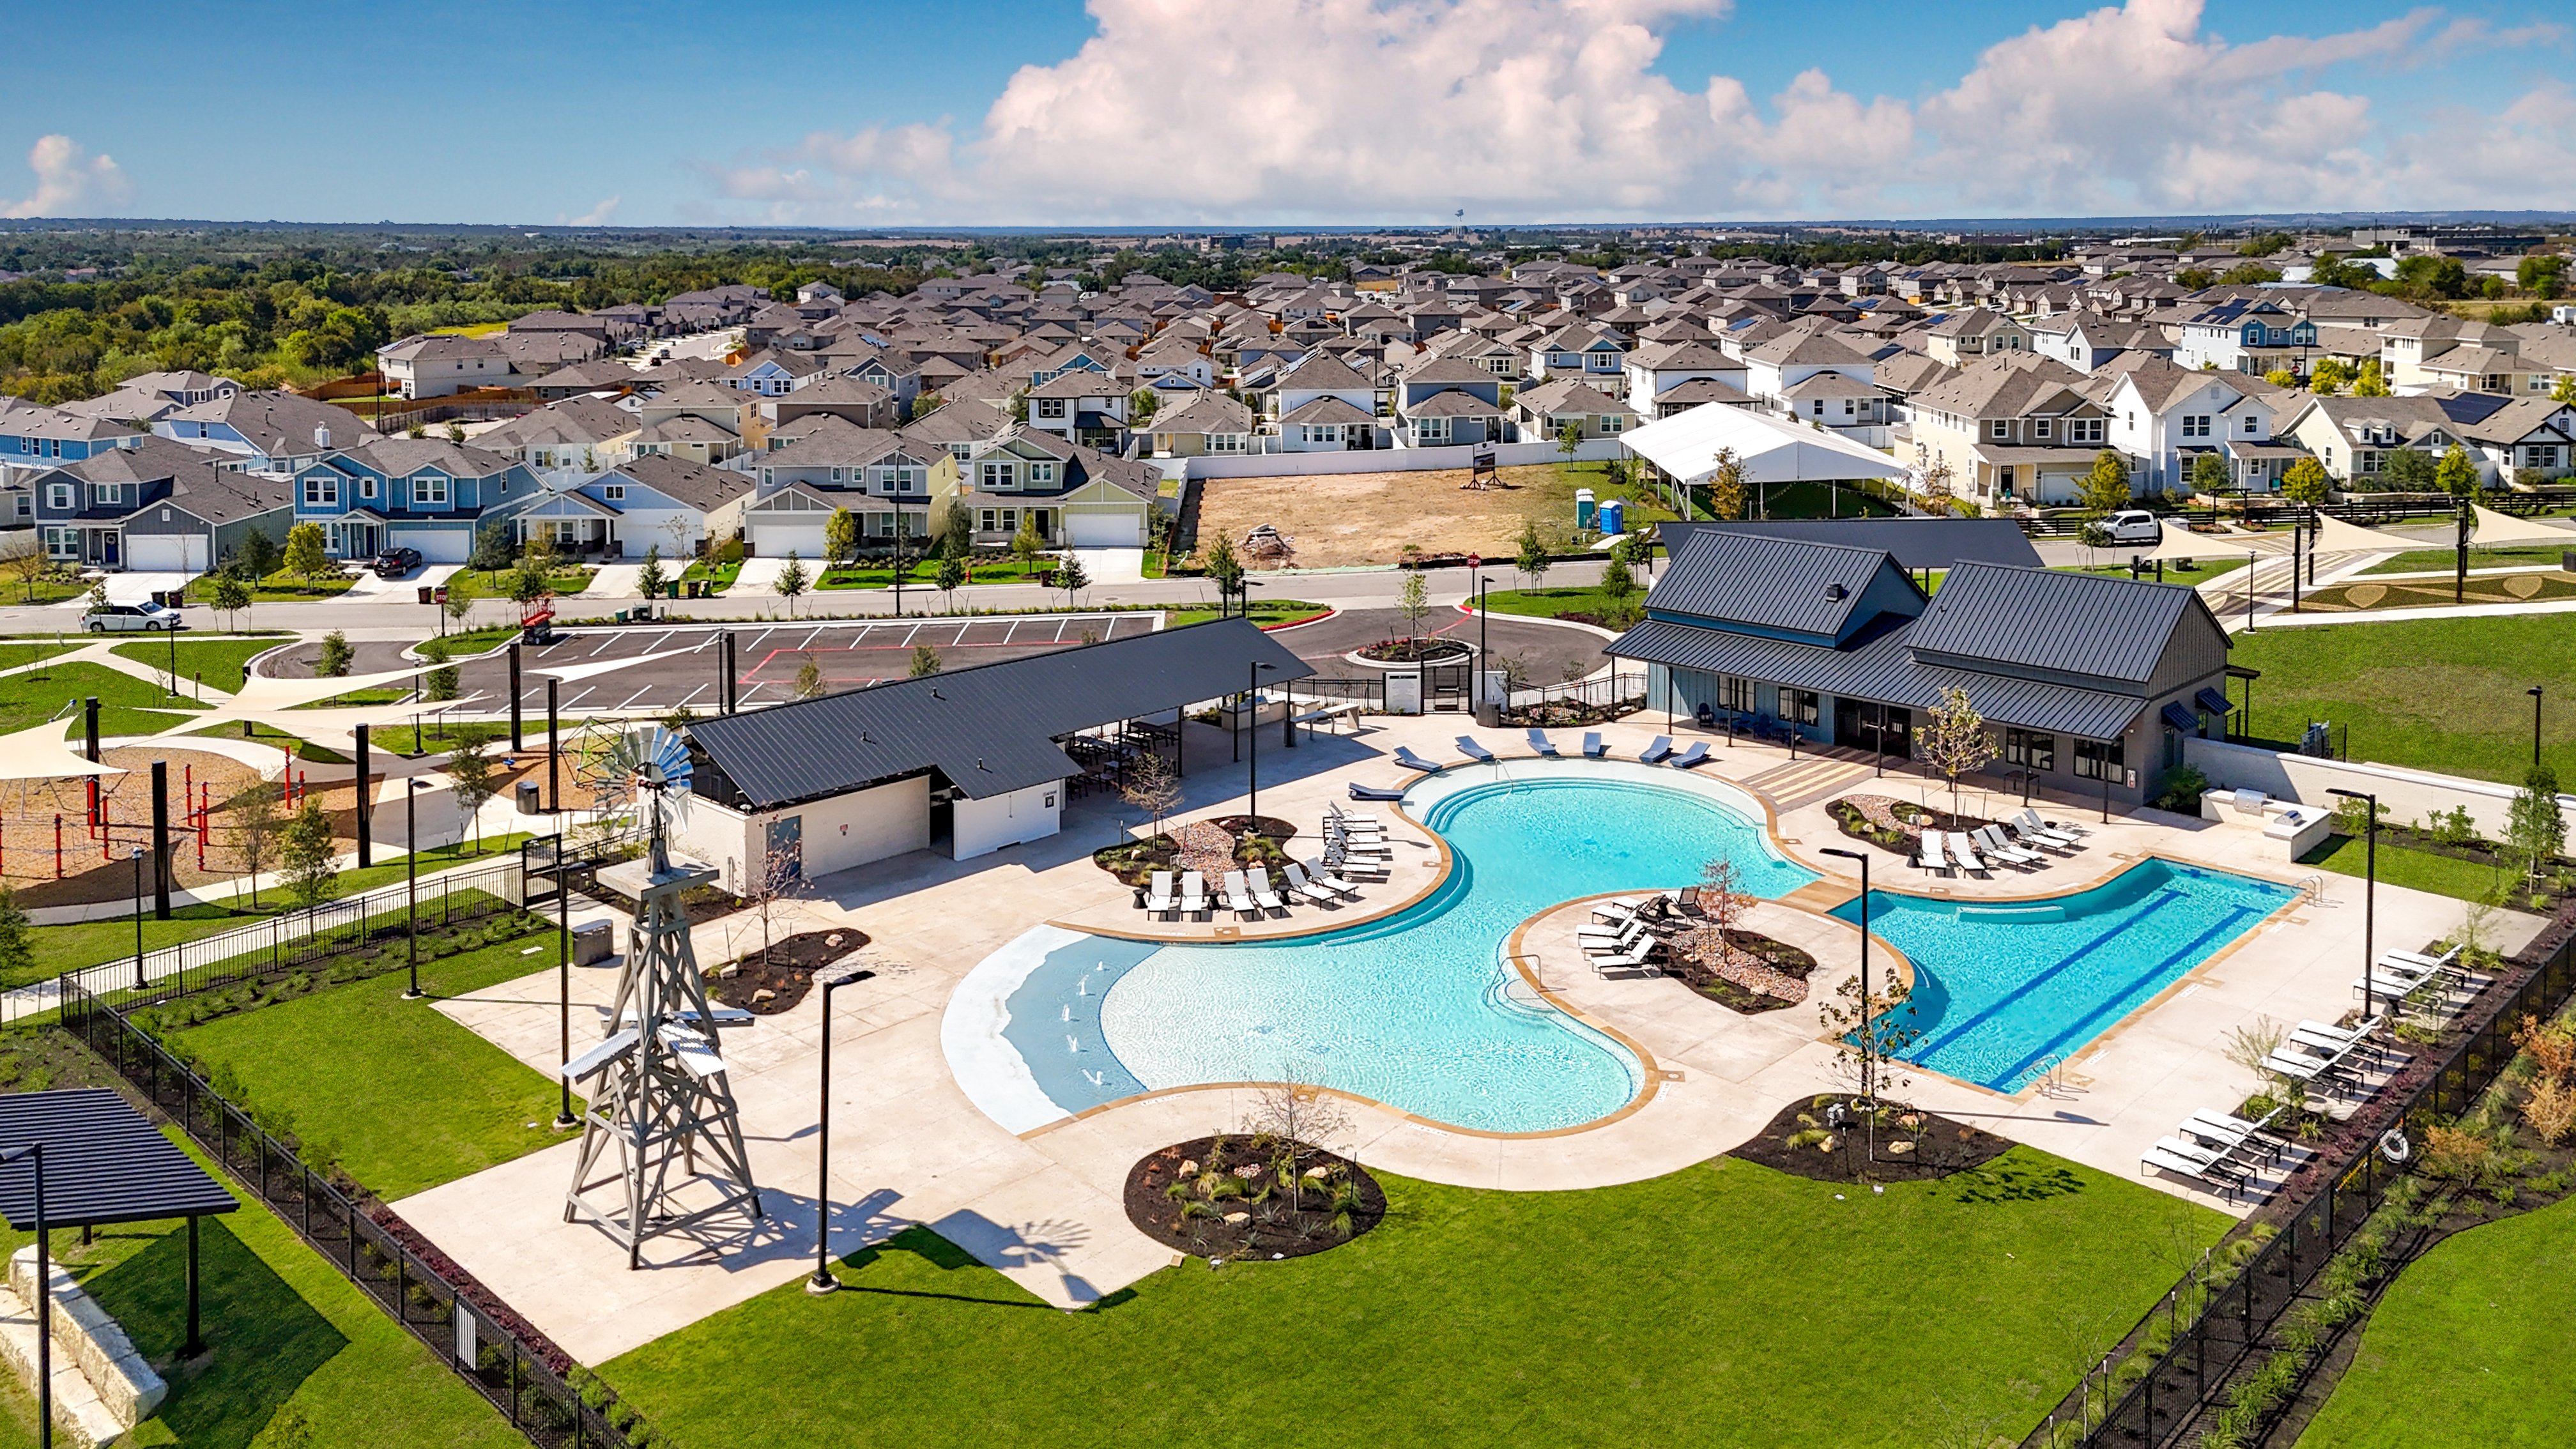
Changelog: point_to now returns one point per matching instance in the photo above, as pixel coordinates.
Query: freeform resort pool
(1420, 1011)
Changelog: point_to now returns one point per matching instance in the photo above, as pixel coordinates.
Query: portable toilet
(1583, 510)
(1614, 514)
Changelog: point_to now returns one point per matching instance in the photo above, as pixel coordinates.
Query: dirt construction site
(1342, 519)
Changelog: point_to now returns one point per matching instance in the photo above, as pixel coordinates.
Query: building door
(1849, 731)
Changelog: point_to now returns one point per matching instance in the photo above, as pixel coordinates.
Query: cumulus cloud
(599, 215)
(1331, 110)
(71, 182)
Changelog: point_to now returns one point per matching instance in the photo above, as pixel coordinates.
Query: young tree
(17, 943)
(2535, 828)
(1295, 1120)
(2456, 474)
(495, 543)
(809, 679)
(308, 555)
(2105, 489)
(461, 598)
(22, 557)
(1569, 439)
(1151, 787)
(1071, 575)
(949, 578)
(652, 578)
(2282, 377)
(333, 661)
(306, 854)
(2209, 474)
(257, 816)
(533, 577)
(1532, 559)
(792, 581)
(957, 530)
(925, 662)
(475, 777)
(2306, 483)
(456, 432)
(2370, 383)
(1870, 1034)
(1722, 899)
(98, 599)
(1413, 602)
(780, 879)
(255, 557)
(1224, 568)
(2328, 377)
(1727, 491)
(228, 596)
(1025, 544)
(1954, 739)
(840, 538)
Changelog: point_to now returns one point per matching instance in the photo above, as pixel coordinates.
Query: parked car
(393, 563)
(121, 618)
(2134, 525)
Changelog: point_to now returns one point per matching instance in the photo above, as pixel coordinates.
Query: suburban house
(2163, 417)
(264, 432)
(1657, 368)
(578, 379)
(1211, 424)
(443, 363)
(1071, 496)
(33, 436)
(2087, 341)
(2421, 353)
(2511, 437)
(2353, 436)
(1585, 349)
(423, 493)
(2089, 684)
(1083, 407)
(868, 404)
(1543, 411)
(961, 426)
(2249, 335)
(1772, 368)
(1973, 335)
(877, 475)
(1443, 402)
(2016, 428)
(156, 507)
(642, 504)
(583, 433)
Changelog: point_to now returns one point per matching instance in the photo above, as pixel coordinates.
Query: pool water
(2001, 989)
(1418, 1010)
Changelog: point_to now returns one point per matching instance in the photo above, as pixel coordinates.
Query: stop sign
(1475, 560)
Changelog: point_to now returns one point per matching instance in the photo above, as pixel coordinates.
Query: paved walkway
(617, 581)
(758, 579)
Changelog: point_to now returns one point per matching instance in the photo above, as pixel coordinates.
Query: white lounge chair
(1991, 837)
(1317, 872)
(1467, 746)
(1594, 747)
(1343, 865)
(1641, 955)
(2029, 820)
(1159, 899)
(1965, 853)
(1612, 938)
(1539, 743)
(2185, 1159)
(1194, 896)
(1262, 895)
(1616, 910)
(1236, 897)
(1932, 854)
(1656, 749)
(2039, 839)
(1299, 885)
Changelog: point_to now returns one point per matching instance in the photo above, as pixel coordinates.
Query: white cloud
(599, 215)
(71, 182)
(1403, 110)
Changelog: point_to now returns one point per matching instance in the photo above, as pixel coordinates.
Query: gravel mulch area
(767, 984)
(1253, 1216)
(1912, 1146)
(1763, 974)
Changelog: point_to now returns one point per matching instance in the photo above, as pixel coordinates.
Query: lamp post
(1244, 591)
(823, 1281)
(1484, 624)
(34, 1152)
(1868, 1063)
(2369, 897)
(2535, 692)
(563, 981)
(1252, 770)
(411, 872)
(139, 983)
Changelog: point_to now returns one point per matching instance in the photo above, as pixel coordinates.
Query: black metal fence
(1607, 692)
(2227, 1338)
(472, 1331)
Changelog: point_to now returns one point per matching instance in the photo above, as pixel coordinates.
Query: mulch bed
(786, 971)
(1270, 1229)
(1944, 1146)
(1415, 651)
(1210, 847)
(1756, 974)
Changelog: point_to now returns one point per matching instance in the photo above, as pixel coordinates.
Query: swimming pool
(1417, 1010)
(2001, 988)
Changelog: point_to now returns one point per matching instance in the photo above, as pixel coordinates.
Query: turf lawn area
(2202, 570)
(2414, 869)
(1546, 603)
(2443, 560)
(2436, 694)
(304, 749)
(924, 573)
(1696, 1308)
(495, 583)
(1268, 613)
(127, 705)
(221, 663)
(2468, 1350)
(14, 655)
(290, 1343)
(403, 1097)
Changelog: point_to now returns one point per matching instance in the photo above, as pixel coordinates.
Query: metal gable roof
(103, 1164)
(1767, 582)
(989, 729)
(1915, 543)
(2081, 624)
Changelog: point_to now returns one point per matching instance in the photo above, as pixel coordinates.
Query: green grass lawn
(2436, 694)
(476, 641)
(1545, 603)
(2468, 1350)
(128, 705)
(279, 588)
(404, 1099)
(494, 583)
(269, 734)
(221, 663)
(14, 655)
(2201, 570)
(2414, 869)
(2443, 560)
(289, 1340)
(1725, 1304)
(1264, 612)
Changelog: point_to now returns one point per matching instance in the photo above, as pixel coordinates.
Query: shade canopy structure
(2333, 535)
(2181, 543)
(2498, 530)
(41, 753)
(1772, 450)
(103, 1164)
(260, 695)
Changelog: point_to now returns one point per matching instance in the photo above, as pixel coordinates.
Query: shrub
(2550, 1111)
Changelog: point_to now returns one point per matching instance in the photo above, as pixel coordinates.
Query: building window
(103, 494)
(998, 476)
(1041, 475)
(1051, 407)
(1798, 706)
(58, 496)
(2366, 461)
(1225, 442)
(1001, 520)
(2099, 759)
(366, 488)
(1998, 429)
(2039, 427)
(2253, 425)
(1735, 693)
(1430, 430)
(428, 488)
(2030, 749)
(1610, 423)
(62, 542)
(2195, 425)
(321, 492)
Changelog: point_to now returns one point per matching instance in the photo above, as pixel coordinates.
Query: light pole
(34, 1152)
(2534, 692)
(1244, 590)
(1252, 770)
(1868, 1063)
(411, 871)
(1484, 625)
(139, 983)
(2369, 896)
(823, 1281)
(563, 980)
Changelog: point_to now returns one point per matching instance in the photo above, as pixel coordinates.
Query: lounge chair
(2029, 820)
(1343, 865)
(1656, 749)
(1194, 897)
(1642, 955)
(2039, 839)
(2443, 962)
(1622, 932)
(1159, 899)
(1692, 758)
(1360, 844)
(1594, 747)
(1317, 873)
(2185, 1159)
(1411, 761)
(1238, 896)
(1355, 817)
(1375, 792)
(1540, 744)
(1616, 910)
(1262, 895)
(1299, 885)
(2231, 1132)
(1932, 854)
(1467, 746)
(1991, 839)
(1964, 852)
(1354, 824)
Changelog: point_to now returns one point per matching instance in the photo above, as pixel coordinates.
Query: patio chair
(1262, 894)
(1616, 910)
(1656, 749)
(2183, 1159)
(1692, 758)
(1594, 747)
(1411, 761)
(1964, 851)
(1932, 854)
(1159, 899)
(1375, 792)
(1299, 885)
(1467, 746)
(1238, 897)
(1343, 865)
(1991, 839)
(1194, 897)
(1540, 744)
(2039, 839)
(2231, 1132)
(1642, 955)
(1619, 937)
(1371, 846)
(1325, 878)
(2029, 819)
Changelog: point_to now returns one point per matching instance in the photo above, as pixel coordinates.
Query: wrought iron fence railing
(1602, 693)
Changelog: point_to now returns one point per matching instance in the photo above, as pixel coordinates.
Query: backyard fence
(282, 940)
(473, 1332)
(2225, 1342)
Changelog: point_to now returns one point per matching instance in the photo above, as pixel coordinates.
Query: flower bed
(1251, 1196)
(1747, 972)
(1210, 847)
(1557, 714)
(766, 983)
(1824, 1139)
(1893, 824)
(1415, 651)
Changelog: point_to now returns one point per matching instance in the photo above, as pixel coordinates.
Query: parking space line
(578, 698)
(605, 641)
(639, 694)
(693, 694)
(908, 637)
(808, 641)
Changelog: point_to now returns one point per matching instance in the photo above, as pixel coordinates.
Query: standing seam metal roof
(2039, 619)
(103, 1164)
(1766, 582)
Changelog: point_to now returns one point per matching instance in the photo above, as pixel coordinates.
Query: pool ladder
(2052, 1070)
(2314, 889)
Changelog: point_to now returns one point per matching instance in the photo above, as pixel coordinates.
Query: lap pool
(1418, 1010)
(2002, 988)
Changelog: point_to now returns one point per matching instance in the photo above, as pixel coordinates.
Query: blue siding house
(422, 493)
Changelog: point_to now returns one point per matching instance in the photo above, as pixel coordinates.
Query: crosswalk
(1814, 776)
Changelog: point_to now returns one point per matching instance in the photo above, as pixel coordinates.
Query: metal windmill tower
(662, 1097)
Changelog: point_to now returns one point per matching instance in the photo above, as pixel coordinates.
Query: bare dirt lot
(1367, 518)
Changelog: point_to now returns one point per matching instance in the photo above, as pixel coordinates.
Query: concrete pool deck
(1043, 1206)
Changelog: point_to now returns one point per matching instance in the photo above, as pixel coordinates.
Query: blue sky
(1274, 111)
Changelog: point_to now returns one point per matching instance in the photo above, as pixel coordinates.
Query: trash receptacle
(424, 593)
(593, 943)
(532, 801)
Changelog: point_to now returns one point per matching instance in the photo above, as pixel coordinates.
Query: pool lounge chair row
(2029, 846)
(1245, 892)
(1594, 748)
(2215, 1148)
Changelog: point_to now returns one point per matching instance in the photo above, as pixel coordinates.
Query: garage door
(439, 545)
(777, 540)
(166, 552)
(1101, 530)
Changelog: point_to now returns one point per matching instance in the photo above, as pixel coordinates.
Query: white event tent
(1773, 450)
